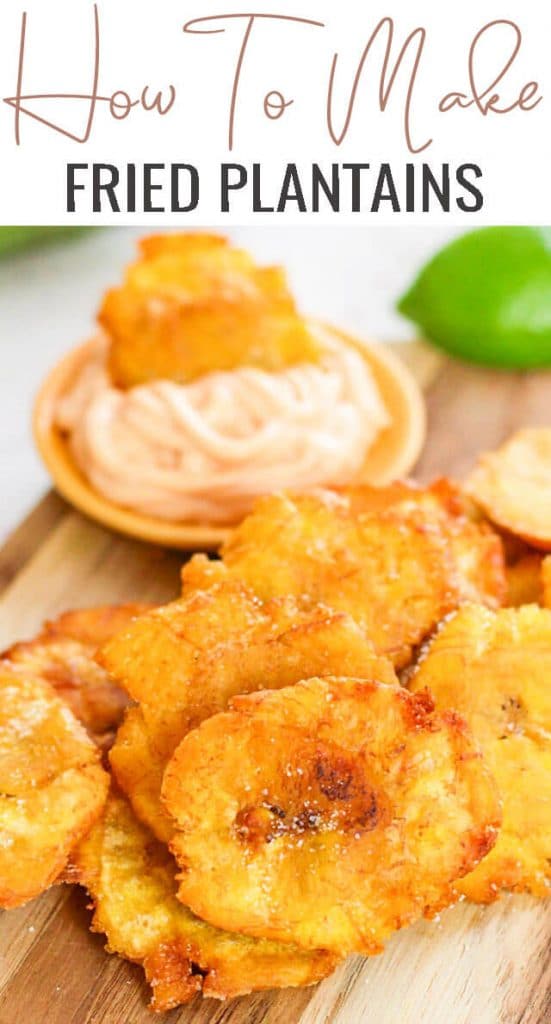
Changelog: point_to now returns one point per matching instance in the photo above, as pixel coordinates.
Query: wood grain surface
(473, 966)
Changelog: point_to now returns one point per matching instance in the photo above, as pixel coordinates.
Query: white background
(48, 300)
(143, 43)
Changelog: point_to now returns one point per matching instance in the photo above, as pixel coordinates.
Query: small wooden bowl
(393, 454)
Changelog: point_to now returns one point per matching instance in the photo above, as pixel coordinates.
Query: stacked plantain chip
(341, 726)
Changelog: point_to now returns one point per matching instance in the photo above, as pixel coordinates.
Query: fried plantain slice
(476, 548)
(139, 768)
(71, 669)
(158, 653)
(328, 814)
(132, 881)
(494, 668)
(513, 486)
(93, 626)
(199, 243)
(184, 662)
(193, 304)
(396, 568)
(63, 654)
(51, 784)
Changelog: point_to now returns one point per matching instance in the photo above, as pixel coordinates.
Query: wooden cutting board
(473, 966)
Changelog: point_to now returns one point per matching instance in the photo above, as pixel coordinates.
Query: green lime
(486, 297)
(12, 239)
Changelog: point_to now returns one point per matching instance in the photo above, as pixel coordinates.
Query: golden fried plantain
(157, 654)
(71, 669)
(328, 814)
(198, 243)
(397, 569)
(476, 548)
(139, 768)
(93, 626)
(513, 486)
(193, 304)
(63, 654)
(51, 783)
(185, 661)
(131, 879)
(494, 668)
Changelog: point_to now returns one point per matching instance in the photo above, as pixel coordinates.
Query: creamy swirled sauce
(204, 451)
